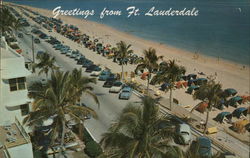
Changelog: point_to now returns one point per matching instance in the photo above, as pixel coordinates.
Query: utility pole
(32, 43)
(32, 37)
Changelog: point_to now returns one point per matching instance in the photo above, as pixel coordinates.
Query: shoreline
(151, 42)
(228, 62)
(230, 73)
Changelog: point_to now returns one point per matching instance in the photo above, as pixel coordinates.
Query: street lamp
(32, 37)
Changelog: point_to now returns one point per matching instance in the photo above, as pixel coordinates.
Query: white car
(68, 53)
(185, 132)
(116, 88)
(73, 54)
(95, 73)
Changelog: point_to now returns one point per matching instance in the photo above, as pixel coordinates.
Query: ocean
(221, 29)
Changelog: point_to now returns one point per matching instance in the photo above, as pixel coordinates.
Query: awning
(237, 112)
(230, 92)
(191, 76)
(202, 107)
(192, 88)
(201, 81)
(220, 117)
(233, 101)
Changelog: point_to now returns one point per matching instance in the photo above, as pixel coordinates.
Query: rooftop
(12, 63)
(6, 51)
(12, 135)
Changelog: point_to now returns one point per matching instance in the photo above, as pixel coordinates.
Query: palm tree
(210, 92)
(191, 152)
(169, 72)
(7, 20)
(123, 53)
(56, 99)
(79, 84)
(140, 131)
(46, 63)
(149, 62)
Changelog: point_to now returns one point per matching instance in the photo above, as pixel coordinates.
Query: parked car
(68, 52)
(116, 87)
(87, 63)
(109, 83)
(126, 93)
(185, 132)
(79, 56)
(96, 73)
(58, 46)
(37, 41)
(20, 35)
(64, 47)
(73, 54)
(93, 68)
(204, 147)
(104, 75)
(43, 36)
(81, 60)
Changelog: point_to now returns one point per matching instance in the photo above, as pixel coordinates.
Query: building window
(24, 109)
(17, 84)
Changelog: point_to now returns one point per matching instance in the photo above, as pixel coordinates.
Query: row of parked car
(111, 79)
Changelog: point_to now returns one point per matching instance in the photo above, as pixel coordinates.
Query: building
(14, 102)
(14, 141)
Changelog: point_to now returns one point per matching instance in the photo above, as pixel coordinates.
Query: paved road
(110, 105)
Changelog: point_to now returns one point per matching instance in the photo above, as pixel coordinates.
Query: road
(110, 105)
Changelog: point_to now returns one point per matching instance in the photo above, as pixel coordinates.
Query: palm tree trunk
(170, 98)
(63, 134)
(54, 153)
(80, 130)
(149, 75)
(206, 123)
(122, 77)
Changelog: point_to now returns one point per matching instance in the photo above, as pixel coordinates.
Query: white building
(15, 142)
(13, 92)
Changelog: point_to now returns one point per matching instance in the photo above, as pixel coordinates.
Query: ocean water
(222, 28)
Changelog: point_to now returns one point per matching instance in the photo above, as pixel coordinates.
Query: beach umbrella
(164, 86)
(192, 82)
(96, 40)
(184, 78)
(240, 125)
(201, 81)
(245, 98)
(202, 106)
(220, 117)
(221, 104)
(144, 75)
(230, 92)
(191, 76)
(239, 111)
(192, 88)
(234, 101)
